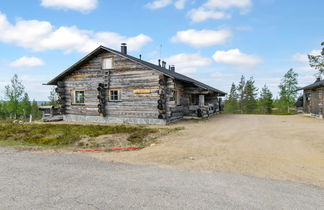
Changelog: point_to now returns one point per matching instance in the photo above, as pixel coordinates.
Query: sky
(213, 41)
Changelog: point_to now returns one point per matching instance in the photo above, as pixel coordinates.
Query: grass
(64, 134)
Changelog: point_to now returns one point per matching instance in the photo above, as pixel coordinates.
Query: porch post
(201, 100)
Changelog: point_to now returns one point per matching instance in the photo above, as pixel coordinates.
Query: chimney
(123, 48)
(172, 68)
(140, 56)
(159, 62)
(163, 64)
(318, 79)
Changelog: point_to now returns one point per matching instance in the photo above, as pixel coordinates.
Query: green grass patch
(64, 134)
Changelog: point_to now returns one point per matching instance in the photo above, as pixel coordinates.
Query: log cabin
(114, 87)
(313, 98)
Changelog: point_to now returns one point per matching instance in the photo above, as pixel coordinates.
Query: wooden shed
(313, 98)
(112, 86)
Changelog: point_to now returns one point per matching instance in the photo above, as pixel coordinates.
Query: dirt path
(277, 147)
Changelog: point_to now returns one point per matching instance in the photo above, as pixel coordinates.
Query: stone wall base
(99, 119)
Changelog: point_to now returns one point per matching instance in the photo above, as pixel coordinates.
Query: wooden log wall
(315, 104)
(127, 76)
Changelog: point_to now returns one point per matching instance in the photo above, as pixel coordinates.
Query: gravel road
(265, 146)
(63, 181)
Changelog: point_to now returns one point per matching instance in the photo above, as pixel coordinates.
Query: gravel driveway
(62, 181)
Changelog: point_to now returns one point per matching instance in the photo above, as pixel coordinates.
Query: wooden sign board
(75, 76)
(142, 91)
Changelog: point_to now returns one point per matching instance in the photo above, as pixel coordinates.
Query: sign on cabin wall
(142, 91)
(76, 76)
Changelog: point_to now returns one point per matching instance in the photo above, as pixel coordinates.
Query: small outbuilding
(313, 98)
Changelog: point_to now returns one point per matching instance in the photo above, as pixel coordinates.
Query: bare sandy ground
(277, 147)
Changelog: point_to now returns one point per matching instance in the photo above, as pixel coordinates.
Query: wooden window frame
(74, 97)
(119, 95)
(112, 62)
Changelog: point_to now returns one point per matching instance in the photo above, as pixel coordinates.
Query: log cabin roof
(165, 71)
(316, 84)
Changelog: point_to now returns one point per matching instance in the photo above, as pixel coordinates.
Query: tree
(3, 110)
(317, 61)
(288, 89)
(26, 106)
(14, 93)
(232, 100)
(249, 96)
(53, 97)
(240, 92)
(34, 110)
(266, 100)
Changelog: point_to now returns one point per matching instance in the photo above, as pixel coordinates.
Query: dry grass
(65, 134)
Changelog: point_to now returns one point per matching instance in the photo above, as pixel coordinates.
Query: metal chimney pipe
(159, 62)
(172, 68)
(123, 48)
(163, 64)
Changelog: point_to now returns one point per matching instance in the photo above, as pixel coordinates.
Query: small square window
(114, 95)
(79, 97)
(107, 63)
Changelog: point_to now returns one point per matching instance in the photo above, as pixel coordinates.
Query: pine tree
(317, 61)
(266, 100)
(231, 104)
(53, 97)
(26, 106)
(288, 89)
(34, 110)
(240, 92)
(249, 96)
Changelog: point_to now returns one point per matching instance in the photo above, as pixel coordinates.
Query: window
(114, 95)
(107, 63)
(79, 97)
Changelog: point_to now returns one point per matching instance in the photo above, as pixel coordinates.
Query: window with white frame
(114, 95)
(107, 63)
(79, 97)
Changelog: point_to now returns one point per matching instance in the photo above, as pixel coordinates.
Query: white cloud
(27, 62)
(79, 5)
(203, 38)
(114, 39)
(158, 4)
(42, 35)
(180, 4)
(202, 14)
(236, 58)
(303, 58)
(227, 4)
(218, 9)
(188, 63)
(220, 75)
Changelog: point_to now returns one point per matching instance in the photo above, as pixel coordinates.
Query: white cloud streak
(25, 62)
(218, 9)
(236, 58)
(42, 35)
(202, 38)
(159, 4)
(78, 5)
(188, 63)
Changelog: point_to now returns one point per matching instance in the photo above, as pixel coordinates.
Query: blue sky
(214, 41)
